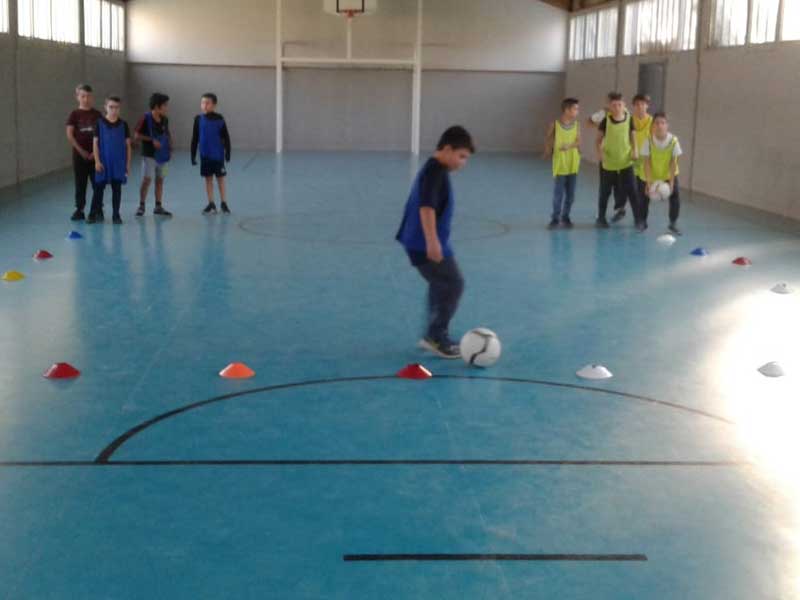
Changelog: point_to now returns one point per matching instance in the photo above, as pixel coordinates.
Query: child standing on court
(564, 142)
(211, 135)
(153, 131)
(80, 134)
(112, 160)
(616, 149)
(661, 153)
(642, 128)
(425, 235)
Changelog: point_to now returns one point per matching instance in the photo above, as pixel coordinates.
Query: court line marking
(411, 462)
(106, 453)
(495, 557)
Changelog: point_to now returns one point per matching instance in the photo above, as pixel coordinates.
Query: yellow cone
(13, 276)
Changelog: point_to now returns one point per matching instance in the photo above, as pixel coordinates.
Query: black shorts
(210, 168)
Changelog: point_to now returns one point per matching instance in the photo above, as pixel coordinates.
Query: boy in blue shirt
(211, 135)
(425, 235)
(112, 160)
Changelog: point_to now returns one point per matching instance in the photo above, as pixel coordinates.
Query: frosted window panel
(653, 26)
(590, 36)
(791, 20)
(729, 23)
(3, 16)
(764, 26)
(607, 33)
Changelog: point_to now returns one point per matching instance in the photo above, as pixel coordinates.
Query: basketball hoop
(350, 9)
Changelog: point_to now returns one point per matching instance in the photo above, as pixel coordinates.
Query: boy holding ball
(660, 154)
(425, 235)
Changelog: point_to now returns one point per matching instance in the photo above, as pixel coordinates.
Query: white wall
(498, 35)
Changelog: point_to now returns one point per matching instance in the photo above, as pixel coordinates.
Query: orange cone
(415, 371)
(237, 371)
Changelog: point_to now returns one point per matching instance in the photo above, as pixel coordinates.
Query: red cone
(61, 371)
(42, 255)
(415, 371)
(742, 261)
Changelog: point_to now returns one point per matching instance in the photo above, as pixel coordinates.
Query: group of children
(102, 150)
(635, 151)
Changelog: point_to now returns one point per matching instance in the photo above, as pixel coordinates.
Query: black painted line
(495, 557)
(107, 452)
(373, 463)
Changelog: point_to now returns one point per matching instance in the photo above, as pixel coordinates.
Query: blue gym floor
(678, 478)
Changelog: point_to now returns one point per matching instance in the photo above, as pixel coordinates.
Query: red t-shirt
(84, 121)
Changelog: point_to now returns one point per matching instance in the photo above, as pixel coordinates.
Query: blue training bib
(113, 152)
(163, 154)
(211, 146)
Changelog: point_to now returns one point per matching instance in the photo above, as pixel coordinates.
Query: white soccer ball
(598, 117)
(480, 347)
(660, 190)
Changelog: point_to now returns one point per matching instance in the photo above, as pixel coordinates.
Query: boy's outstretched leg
(675, 208)
(143, 191)
(446, 286)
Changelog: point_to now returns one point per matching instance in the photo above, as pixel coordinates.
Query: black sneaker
(160, 210)
(92, 219)
(77, 215)
(601, 223)
(553, 224)
(224, 207)
(444, 349)
(674, 229)
(618, 215)
(101, 216)
(641, 227)
(210, 209)
(140, 211)
(566, 223)
(117, 220)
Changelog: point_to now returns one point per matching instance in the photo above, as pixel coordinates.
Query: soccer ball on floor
(660, 190)
(480, 347)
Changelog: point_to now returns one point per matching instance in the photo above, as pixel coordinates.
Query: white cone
(666, 239)
(783, 288)
(772, 369)
(594, 372)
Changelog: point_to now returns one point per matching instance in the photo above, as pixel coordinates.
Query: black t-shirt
(434, 192)
(627, 117)
(148, 150)
(83, 122)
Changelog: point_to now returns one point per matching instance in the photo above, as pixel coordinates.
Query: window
(791, 20)
(593, 35)
(660, 26)
(764, 21)
(729, 23)
(104, 24)
(55, 20)
(3, 16)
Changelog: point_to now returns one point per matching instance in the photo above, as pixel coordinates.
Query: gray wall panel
(347, 109)
(8, 151)
(503, 111)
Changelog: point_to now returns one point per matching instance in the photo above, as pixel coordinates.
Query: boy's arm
(195, 137)
(226, 140)
(599, 144)
(74, 143)
(433, 247)
(673, 169)
(648, 174)
(128, 151)
(98, 166)
(634, 148)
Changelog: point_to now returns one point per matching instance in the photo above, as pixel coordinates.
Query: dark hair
(158, 99)
(641, 98)
(210, 96)
(568, 103)
(116, 99)
(84, 87)
(457, 138)
(614, 96)
(660, 115)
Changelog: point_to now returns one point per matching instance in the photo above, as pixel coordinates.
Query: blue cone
(74, 235)
(699, 252)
